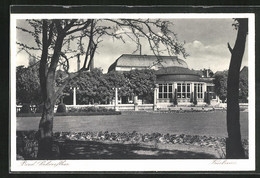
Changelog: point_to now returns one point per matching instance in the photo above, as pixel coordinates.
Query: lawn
(195, 123)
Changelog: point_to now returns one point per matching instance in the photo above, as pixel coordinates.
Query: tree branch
(67, 81)
(50, 34)
(92, 52)
(79, 29)
(230, 49)
(89, 44)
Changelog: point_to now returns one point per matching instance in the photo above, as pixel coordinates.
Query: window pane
(170, 95)
(179, 88)
(160, 95)
(183, 95)
(183, 88)
(165, 95)
(170, 88)
(160, 87)
(188, 87)
(188, 95)
(165, 88)
(178, 95)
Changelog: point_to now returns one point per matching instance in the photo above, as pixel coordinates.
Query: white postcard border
(136, 165)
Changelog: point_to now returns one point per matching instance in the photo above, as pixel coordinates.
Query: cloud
(215, 56)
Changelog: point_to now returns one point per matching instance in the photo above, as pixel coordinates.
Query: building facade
(175, 82)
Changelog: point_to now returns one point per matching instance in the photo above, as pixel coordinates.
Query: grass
(208, 123)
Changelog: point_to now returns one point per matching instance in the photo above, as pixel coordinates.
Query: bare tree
(53, 39)
(234, 148)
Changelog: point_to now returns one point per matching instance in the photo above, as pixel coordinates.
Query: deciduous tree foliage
(27, 85)
(96, 87)
(141, 82)
(220, 82)
(53, 39)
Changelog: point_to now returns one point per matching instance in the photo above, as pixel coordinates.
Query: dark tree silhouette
(234, 148)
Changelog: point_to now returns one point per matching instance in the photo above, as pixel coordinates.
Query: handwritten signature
(45, 163)
(222, 162)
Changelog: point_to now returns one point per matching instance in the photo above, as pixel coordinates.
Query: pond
(193, 123)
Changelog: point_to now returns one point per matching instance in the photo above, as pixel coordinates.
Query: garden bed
(27, 144)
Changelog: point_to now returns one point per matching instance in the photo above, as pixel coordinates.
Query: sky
(205, 42)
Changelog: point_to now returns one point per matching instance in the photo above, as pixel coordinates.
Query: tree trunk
(234, 148)
(47, 82)
(46, 122)
(45, 131)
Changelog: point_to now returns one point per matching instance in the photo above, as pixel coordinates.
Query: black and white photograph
(132, 92)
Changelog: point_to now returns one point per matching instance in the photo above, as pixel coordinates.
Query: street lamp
(116, 98)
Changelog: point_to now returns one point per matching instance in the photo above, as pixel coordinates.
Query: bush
(61, 108)
(26, 109)
(92, 109)
(175, 100)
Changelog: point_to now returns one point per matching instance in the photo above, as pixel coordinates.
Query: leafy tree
(234, 148)
(91, 86)
(141, 82)
(54, 38)
(27, 85)
(220, 82)
(118, 80)
(243, 85)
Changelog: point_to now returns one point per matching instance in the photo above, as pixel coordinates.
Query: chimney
(207, 72)
(78, 62)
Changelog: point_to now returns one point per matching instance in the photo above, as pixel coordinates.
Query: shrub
(175, 100)
(74, 110)
(26, 109)
(102, 109)
(61, 108)
(195, 102)
(92, 109)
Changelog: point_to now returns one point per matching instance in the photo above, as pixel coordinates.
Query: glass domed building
(175, 82)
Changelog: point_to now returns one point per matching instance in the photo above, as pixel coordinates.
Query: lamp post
(116, 98)
(155, 97)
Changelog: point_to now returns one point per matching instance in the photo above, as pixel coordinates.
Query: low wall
(132, 107)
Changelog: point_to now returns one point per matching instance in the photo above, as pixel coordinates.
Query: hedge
(70, 114)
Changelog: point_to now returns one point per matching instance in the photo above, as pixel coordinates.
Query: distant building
(173, 77)
(127, 62)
